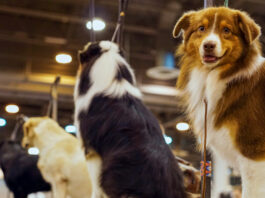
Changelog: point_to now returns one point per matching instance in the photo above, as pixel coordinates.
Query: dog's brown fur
(221, 62)
(244, 97)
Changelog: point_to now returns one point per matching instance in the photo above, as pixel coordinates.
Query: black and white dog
(126, 151)
(21, 173)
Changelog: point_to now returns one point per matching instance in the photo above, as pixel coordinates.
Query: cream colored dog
(62, 161)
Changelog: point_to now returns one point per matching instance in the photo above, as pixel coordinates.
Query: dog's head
(29, 130)
(102, 64)
(216, 36)
(92, 52)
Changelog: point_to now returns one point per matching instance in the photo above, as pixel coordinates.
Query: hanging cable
(91, 17)
(118, 33)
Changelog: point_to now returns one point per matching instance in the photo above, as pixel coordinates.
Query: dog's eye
(201, 28)
(226, 30)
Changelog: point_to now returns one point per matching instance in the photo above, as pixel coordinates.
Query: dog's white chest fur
(203, 85)
(206, 85)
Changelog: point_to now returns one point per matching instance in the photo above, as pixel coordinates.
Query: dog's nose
(209, 46)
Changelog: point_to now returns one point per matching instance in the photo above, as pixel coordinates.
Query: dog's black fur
(20, 170)
(136, 161)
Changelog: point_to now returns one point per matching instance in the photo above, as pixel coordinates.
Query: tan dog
(62, 161)
(221, 62)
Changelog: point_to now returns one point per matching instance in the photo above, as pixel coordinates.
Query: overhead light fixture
(12, 108)
(33, 151)
(70, 128)
(63, 58)
(2, 122)
(183, 126)
(168, 139)
(159, 90)
(98, 25)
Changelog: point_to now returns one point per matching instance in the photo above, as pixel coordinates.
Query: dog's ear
(81, 56)
(182, 24)
(28, 129)
(248, 26)
(90, 51)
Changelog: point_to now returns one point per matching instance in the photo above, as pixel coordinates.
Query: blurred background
(34, 33)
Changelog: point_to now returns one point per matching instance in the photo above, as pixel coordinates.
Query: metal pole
(208, 3)
(19, 122)
(92, 16)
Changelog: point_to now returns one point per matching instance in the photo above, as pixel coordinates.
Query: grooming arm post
(54, 94)
(20, 120)
(52, 110)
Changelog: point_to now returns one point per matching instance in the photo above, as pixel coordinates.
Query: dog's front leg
(221, 177)
(59, 189)
(253, 178)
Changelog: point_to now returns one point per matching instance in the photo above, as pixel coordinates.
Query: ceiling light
(98, 25)
(168, 139)
(70, 128)
(33, 151)
(63, 58)
(159, 90)
(183, 126)
(2, 122)
(12, 108)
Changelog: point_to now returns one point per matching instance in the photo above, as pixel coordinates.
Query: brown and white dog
(221, 62)
(61, 161)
